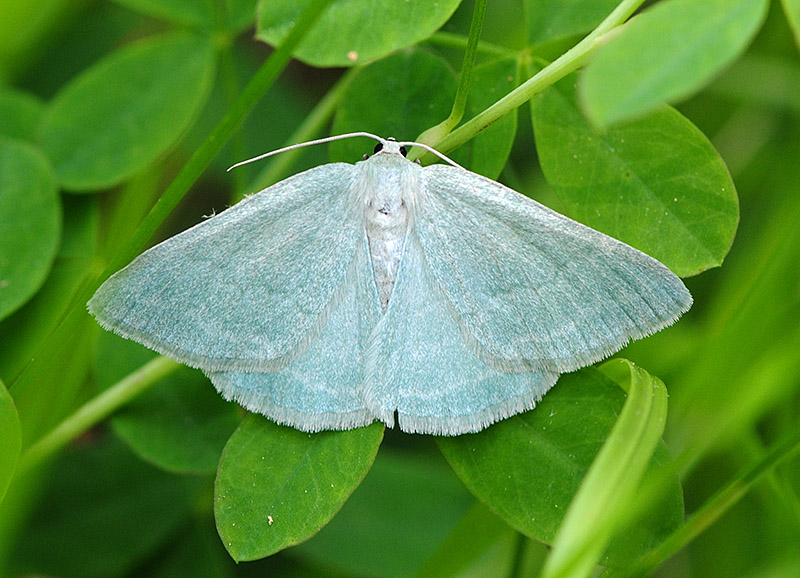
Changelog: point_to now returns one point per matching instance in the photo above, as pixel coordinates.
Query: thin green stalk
(712, 510)
(555, 71)
(438, 132)
(465, 78)
(95, 411)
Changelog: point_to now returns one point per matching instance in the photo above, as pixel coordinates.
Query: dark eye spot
(378, 148)
(403, 151)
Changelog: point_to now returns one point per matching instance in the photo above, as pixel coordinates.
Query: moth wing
(248, 288)
(420, 364)
(322, 387)
(533, 287)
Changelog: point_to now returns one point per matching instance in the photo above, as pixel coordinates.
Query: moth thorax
(386, 224)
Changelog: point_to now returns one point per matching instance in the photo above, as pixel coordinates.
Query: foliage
(636, 121)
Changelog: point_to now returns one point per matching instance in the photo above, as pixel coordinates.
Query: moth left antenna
(308, 144)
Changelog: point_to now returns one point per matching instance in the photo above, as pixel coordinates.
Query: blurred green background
(731, 365)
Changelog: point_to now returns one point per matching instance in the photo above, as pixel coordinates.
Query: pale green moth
(428, 296)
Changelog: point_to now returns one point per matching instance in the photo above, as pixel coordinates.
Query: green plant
(112, 112)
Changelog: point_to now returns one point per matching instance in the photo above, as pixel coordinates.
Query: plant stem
(95, 411)
(465, 77)
(568, 62)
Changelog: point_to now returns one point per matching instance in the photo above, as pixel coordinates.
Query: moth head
(390, 146)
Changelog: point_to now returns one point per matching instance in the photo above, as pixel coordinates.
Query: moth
(430, 298)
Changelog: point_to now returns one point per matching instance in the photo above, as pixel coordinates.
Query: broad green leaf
(549, 20)
(655, 183)
(181, 424)
(481, 545)
(10, 439)
(19, 114)
(399, 96)
(30, 224)
(24, 331)
(103, 512)
(127, 110)
(404, 494)
(488, 152)
(528, 468)
(354, 31)
(277, 486)
(792, 10)
(666, 54)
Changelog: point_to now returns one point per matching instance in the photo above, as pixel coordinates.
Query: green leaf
(528, 468)
(103, 513)
(10, 439)
(488, 152)
(181, 424)
(277, 486)
(24, 331)
(666, 54)
(19, 114)
(354, 31)
(399, 96)
(127, 110)
(30, 225)
(555, 19)
(655, 183)
(404, 494)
